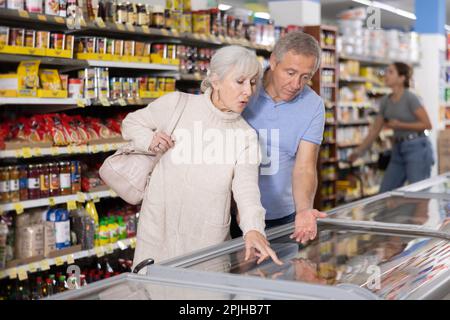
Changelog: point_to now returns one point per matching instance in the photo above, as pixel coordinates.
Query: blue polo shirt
(281, 126)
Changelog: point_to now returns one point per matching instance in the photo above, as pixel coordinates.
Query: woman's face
(392, 77)
(233, 92)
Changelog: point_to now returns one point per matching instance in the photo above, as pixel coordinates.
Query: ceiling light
(262, 15)
(224, 7)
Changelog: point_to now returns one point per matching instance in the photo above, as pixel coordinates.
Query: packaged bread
(50, 79)
(28, 74)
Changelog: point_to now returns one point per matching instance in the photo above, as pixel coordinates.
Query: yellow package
(50, 79)
(28, 74)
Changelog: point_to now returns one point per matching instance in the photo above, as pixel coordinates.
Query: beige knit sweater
(186, 206)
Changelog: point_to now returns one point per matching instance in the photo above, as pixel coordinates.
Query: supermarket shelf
(330, 123)
(328, 85)
(355, 104)
(329, 198)
(329, 142)
(23, 19)
(64, 64)
(81, 197)
(39, 101)
(55, 151)
(332, 160)
(348, 145)
(354, 79)
(326, 66)
(379, 91)
(67, 258)
(328, 179)
(191, 77)
(345, 165)
(132, 65)
(326, 47)
(121, 102)
(354, 123)
(365, 60)
(141, 34)
(367, 193)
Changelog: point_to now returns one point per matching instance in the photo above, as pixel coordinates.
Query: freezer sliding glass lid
(390, 266)
(431, 213)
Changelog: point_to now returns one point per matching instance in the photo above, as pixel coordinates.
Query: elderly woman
(186, 205)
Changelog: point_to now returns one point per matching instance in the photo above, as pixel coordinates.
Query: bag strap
(179, 108)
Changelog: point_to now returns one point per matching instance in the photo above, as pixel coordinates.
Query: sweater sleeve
(246, 190)
(140, 126)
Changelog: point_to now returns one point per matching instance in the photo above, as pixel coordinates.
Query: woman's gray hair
(299, 42)
(239, 59)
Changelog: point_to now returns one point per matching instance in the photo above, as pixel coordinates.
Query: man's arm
(304, 186)
(304, 175)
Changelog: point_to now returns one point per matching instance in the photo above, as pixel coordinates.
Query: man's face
(291, 74)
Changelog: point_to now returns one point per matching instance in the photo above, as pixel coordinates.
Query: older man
(289, 117)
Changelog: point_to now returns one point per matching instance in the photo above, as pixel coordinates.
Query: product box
(30, 241)
(444, 151)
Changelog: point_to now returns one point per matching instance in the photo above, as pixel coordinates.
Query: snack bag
(50, 79)
(28, 76)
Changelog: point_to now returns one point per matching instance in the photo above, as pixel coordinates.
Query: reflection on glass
(432, 213)
(443, 187)
(390, 266)
(136, 290)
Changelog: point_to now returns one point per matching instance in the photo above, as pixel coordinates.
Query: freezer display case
(387, 265)
(438, 187)
(168, 283)
(430, 215)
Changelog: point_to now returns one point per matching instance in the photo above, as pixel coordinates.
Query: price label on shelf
(83, 148)
(71, 205)
(99, 251)
(41, 17)
(22, 273)
(197, 36)
(33, 267)
(204, 37)
(109, 248)
(81, 103)
(122, 102)
(27, 152)
(122, 245)
(81, 197)
(44, 265)
(96, 199)
(104, 102)
(59, 261)
(54, 151)
(133, 243)
(100, 23)
(51, 202)
(60, 20)
(164, 32)
(120, 26)
(70, 259)
(23, 13)
(18, 207)
(145, 29)
(70, 149)
(112, 193)
(94, 148)
(139, 101)
(37, 152)
(19, 153)
(115, 146)
(12, 273)
(131, 101)
(130, 27)
(175, 33)
(106, 147)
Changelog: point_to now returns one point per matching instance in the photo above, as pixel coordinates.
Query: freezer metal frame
(417, 190)
(222, 284)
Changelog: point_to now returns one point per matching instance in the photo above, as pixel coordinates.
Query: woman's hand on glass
(256, 245)
(161, 142)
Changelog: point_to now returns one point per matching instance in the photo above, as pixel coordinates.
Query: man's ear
(272, 61)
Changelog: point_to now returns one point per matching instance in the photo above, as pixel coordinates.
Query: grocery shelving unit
(373, 90)
(327, 166)
(14, 154)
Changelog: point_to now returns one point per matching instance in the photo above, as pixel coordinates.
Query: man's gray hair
(241, 61)
(300, 43)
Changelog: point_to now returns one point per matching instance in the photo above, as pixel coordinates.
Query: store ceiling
(330, 9)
